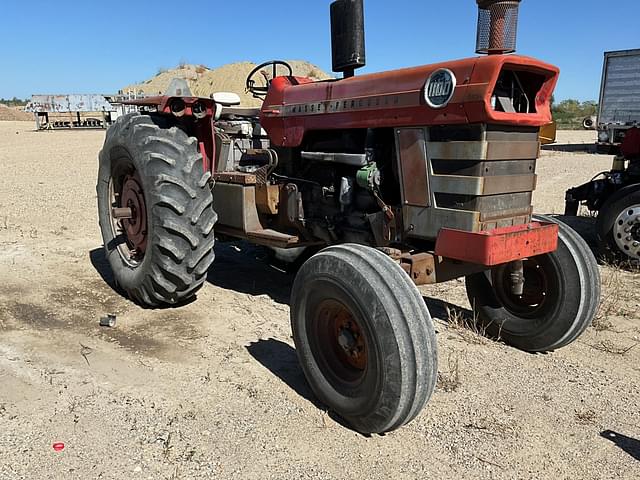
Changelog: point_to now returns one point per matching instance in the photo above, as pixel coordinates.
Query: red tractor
(381, 182)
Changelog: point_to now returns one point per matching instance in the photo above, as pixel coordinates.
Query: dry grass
(612, 286)
(450, 381)
(608, 346)
(616, 296)
(468, 327)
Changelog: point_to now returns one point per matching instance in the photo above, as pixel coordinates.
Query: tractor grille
(479, 177)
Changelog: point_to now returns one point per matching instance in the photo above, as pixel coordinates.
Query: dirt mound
(14, 114)
(204, 81)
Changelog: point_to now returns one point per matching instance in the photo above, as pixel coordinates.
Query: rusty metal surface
(476, 178)
(235, 177)
(498, 246)
(420, 267)
(267, 238)
(497, 26)
(492, 207)
(69, 103)
(494, 185)
(272, 238)
(120, 213)
(236, 206)
(413, 166)
(268, 199)
(479, 168)
(396, 98)
(426, 268)
(484, 150)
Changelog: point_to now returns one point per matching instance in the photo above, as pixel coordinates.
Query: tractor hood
(497, 89)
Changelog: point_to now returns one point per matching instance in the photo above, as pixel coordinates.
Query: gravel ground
(213, 389)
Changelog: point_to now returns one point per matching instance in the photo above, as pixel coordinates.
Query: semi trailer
(619, 105)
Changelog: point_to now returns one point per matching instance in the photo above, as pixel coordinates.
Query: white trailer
(619, 97)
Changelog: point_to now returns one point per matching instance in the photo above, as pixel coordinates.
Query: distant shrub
(13, 102)
(571, 113)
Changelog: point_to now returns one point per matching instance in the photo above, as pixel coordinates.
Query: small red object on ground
(58, 446)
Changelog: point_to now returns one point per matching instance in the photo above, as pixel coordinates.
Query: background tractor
(615, 196)
(381, 182)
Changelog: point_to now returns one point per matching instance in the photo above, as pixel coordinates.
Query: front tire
(364, 337)
(560, 300)
(160, 251)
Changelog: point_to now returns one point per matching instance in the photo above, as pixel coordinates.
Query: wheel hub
(132, 197)
(350, 339)
(343, 340)
(626, 231)
(534, 291)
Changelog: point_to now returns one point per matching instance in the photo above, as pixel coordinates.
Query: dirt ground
(213, 389)
(14, 114)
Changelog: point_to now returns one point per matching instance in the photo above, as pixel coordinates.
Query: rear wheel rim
(626, 231)
(130, 234)
(341, 341)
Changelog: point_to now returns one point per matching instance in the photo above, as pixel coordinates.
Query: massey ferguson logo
(440, 88)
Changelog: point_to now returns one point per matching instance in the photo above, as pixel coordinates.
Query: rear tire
(620, 213)
(161, 256)
(562, 294)
(364, 337)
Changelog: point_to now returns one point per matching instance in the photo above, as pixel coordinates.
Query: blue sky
(63, 46)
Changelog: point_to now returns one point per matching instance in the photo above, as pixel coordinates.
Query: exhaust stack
(497, 26)
(347, 36)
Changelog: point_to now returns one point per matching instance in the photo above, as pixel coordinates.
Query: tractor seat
(230, 109)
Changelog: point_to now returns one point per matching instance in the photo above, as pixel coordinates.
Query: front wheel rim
(341, 341)
(540, 289)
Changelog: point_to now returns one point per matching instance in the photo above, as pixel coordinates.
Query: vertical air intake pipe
(347, 36)
(497, 26)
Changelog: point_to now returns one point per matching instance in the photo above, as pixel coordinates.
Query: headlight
(199, 110)
(177, 107)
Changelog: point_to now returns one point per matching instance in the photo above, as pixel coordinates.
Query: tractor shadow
(246, 268)
(239, 266)
(627, 444)
(281, 360)
(446, 311)
(101, 265)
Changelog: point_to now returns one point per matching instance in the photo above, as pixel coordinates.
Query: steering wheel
(259, 91)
